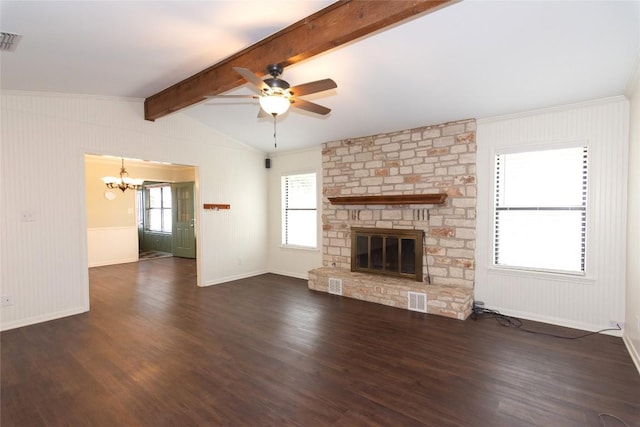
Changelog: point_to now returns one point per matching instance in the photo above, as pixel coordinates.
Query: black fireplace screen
(387, 251)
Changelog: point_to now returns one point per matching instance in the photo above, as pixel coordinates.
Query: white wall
(588, 303)
(43, 261)
(288, 261)
(632, 318)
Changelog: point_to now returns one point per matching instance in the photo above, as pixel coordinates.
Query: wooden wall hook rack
(216, 206)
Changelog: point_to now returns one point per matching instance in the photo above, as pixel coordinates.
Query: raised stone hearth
(362, 180)
(449, 301)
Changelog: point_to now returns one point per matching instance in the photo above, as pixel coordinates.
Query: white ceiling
(472, 59)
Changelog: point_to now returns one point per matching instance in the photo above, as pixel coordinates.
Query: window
(541, 210)
(158, 208)
(299, 212)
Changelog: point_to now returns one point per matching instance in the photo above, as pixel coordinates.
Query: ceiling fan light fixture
(275, 104)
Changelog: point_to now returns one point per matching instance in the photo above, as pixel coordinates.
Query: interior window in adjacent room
(540, 216)
(299, 210)
(158, 208)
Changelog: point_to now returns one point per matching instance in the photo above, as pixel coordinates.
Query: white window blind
(541, 210)
(299, 210)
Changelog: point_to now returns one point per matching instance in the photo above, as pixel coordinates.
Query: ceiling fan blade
(252, 78)
(232, 96)
(313, 87)
(310, 106)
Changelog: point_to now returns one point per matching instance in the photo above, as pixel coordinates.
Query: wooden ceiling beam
(326, 29)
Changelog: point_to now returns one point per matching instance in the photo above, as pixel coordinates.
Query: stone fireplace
(419, 181)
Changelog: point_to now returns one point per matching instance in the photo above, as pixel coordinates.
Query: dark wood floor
(156, 350)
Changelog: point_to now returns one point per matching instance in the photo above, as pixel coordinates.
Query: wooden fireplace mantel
(399, 199)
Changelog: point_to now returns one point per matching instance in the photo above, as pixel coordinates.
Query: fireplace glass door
(387, 251)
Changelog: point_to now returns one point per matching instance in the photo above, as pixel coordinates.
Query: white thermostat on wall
(109, 195)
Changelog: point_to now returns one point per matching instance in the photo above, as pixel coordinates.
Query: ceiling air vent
(9, 42)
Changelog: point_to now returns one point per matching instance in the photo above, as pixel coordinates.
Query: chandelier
(124, 182)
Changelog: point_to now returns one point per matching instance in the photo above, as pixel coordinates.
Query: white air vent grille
(417, 301)
(335, 286)
(9, 41)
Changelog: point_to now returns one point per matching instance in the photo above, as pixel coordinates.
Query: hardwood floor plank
(156, 350)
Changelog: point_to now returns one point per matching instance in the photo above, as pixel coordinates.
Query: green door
(184, 235)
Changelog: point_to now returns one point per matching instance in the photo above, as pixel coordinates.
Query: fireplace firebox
(386, 251)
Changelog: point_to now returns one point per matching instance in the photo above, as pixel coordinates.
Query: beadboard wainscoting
(590, 302)
(112, 245)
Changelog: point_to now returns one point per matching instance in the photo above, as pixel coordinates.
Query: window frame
(162, 208)
(283, 231)
(587, 212)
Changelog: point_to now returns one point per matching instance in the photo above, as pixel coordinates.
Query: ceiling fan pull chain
(275, 140)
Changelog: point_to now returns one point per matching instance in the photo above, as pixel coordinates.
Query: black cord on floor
(604, 424)
(506, 321)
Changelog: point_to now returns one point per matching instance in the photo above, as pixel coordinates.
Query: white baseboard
(234, 277)
(42, 318)
(113, 262)
(633, 352)
(556, 321)
(290, 274)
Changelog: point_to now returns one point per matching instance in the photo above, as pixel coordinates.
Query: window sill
(300, 248)
(542, 275)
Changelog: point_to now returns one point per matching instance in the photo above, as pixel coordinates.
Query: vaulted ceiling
(469, 59)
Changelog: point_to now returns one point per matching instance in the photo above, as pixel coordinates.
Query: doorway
(184, 237)
(113, 235)
(166, 220)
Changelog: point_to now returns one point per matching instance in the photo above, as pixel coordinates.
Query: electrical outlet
(6, 300)
(27, 216)
(616, 324)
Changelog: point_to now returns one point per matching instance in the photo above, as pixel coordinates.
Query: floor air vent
(417, 301)
(335, 286)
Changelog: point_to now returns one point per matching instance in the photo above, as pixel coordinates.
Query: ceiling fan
(276, 95)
